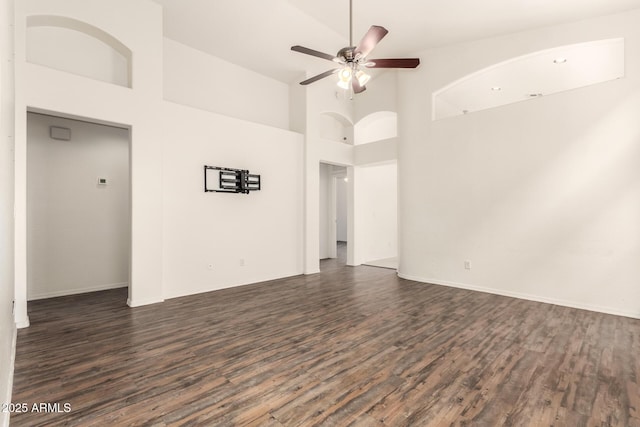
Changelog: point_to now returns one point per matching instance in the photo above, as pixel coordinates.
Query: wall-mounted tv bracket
(231, 180)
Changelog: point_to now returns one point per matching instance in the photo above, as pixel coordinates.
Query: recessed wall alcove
(531, 76)
(76, 47)
(335, 127)
(376, 126)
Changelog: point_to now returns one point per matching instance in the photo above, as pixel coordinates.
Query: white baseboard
(520, 295)
(138, 302)
(4, 416)
(66, 292)
(22, 323)
(220, 287)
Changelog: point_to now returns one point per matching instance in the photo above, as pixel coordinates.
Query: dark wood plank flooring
(348, 346)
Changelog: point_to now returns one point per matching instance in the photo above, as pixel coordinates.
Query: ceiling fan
(354, 58)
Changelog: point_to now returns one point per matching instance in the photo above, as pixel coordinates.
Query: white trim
(4, 416)
(524, 296)
(77, 291)
(22, 323)
(137, 303)
(228, 286)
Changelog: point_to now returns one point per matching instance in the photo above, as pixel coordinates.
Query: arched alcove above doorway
(335, 127)
(54, 42)
(376, 126)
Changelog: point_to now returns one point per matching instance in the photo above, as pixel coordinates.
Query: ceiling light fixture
(560, 60)
(363, 78)
(344, 77)
(354, 58)
(347, 73)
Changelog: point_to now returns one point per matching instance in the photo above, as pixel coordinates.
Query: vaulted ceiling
(258, 34)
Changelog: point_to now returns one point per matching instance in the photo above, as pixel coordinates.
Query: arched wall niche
(53, 41)
(335, 127)
(531, 76)
(376, 126)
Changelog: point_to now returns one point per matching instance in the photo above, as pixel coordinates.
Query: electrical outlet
(467, 264)
(241, 262)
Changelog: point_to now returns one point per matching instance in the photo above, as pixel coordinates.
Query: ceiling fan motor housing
(347, 54)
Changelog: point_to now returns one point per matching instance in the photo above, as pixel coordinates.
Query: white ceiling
(258, 34)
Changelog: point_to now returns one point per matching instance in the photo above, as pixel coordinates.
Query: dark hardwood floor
(348, 346)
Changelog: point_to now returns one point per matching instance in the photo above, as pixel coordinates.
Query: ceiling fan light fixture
(345, 74)
(363, 78)
(344, 77)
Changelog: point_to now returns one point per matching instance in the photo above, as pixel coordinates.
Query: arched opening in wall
(333, 126)
(376, 126)
(78, 207)
(531, 76)
(54, 42)
(333, 213)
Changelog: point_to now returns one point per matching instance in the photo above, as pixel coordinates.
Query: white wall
(263, 228)
(376, 152)
(196, 79)
(78, 231)
(45, 89)
(377, 211)
(7, 324)
(541, 196)
(170, 213)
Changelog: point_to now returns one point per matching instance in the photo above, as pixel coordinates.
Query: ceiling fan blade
(370, 40)
(312, 52)
(393, 63)
(319, 76)
(357, 88)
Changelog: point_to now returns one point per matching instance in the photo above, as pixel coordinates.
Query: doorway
(78, 206)
(333, 212)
